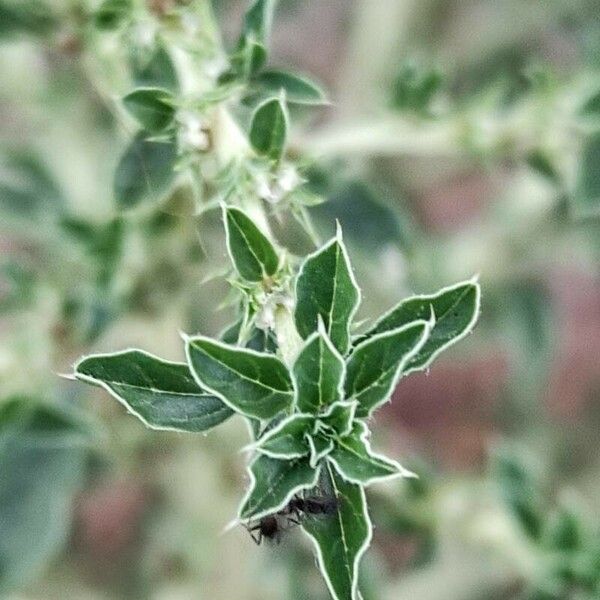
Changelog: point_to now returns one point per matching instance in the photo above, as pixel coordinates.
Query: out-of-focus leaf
(145, 171)
(414, 88)
(152, 108)
(269, 127)
(298, 89)
(16, 286)
(541, 163)
(112, 13)
(367, 222)
(42, 459)
(162, 394)
(26, 186)
(591, 107)
(518, 484)
(586, 197)
(258, 20)
(155, 71)
(25, 16)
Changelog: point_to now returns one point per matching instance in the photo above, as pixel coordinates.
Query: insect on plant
(294, 364)
(270, 528)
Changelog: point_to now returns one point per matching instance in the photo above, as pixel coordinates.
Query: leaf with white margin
(354, 460)
(251, 252)
(287, 439)
(269, 128)
(273, 483)
(339, 417)
(252, 383)
(320, 447)
(376, 364)
(341, 539)
(456, 309)
(162, 394)
(318, 373)
(298, 88)
(326, 288)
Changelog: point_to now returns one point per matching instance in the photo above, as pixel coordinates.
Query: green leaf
(42, 465)
(565, 529)
(27, 187)
(518, 481)
(414, 88)
(356, 462)
(456, 309)
(252, 383)
(298, 89)
(339, 417)
(251, 252)
(541, 162)
(269, 127)
(152, 108)
(376, 364)
(318, 374)
(341, 539)
(287, 440)
(112, 13)
(155, 70)
(258, 20)
(145, 171)
(273, 483)
(591, 107)
(320, 446)
(25, 16)
(162, 394)
(326, 288)
(248, 59)
(586, 198)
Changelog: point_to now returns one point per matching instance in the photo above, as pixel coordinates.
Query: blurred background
(463, 137)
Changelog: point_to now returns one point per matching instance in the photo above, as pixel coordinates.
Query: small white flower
(265, 317)
(193, 133)
(144, 34)
(288, 179)
(264, 189)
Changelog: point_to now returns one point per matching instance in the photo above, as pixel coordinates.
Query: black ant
(312, 505)
(272, 527)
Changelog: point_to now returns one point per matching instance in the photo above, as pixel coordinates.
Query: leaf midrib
(242, 375)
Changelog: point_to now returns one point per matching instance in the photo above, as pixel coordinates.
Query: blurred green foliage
(504, 181)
